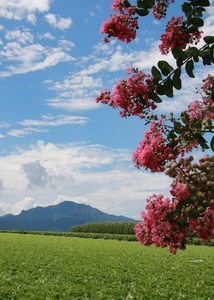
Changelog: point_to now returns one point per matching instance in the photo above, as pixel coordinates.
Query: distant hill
(60, 217)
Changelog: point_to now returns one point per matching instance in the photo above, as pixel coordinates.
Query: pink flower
(179, 190)
(177, 36)
(195, 110)
(123, 27)
(157, 229)
(160, 8)
(131, 95)
(117, 5)
(208, 84)
(204, 225)
(153, 152)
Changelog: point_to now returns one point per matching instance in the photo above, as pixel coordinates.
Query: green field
(52, 267)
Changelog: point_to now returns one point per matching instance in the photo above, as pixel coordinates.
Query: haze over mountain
(60, 217)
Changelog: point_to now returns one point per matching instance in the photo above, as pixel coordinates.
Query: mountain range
(60, 217)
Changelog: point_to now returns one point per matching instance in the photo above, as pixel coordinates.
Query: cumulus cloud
(58, 21)
(1, 185)
(100, 176)
(39, 177)
(22, 37)
(46, 35)
(16, 208)
(20, 9)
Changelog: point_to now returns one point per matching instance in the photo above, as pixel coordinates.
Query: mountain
(60, 217)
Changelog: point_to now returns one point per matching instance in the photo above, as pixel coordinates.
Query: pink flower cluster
(131, 95)
(179, 190)
(160, 8)
(208, 84)
(157, 229)
(203, 110)
(195, 182)
(153, 151)
(177, 36)
(204, 226)
(122, 26)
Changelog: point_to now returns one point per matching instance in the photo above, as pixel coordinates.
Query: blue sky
(56, 142)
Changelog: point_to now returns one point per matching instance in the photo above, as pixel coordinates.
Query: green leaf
(176, 52)
(178, 127)
(196, 58)
(212, 144)
(156, 74)
(150, 3)
(145, 4)
(203, 2)
(189, 68)
(179, 55)
(201, 140)
(160, 89)
(156, 98)
(197, 22)
(168, 88)
(187, 9)
(165, 67)
(176, 81)
(126, 3)
(204, 52)
(198, 12)
(141, 4)
(192, 51)
(209, 39)
(142, 12)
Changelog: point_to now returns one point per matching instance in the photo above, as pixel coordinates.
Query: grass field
(51, 267)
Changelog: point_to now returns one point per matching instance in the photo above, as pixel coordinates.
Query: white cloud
(4, 125)
(38, 176)
(22, 37)
(76, 92)
(100, 176)
(24, 131)
(46, 35)
(16, 208)
(31, 58)
(20, 9)
(59, 120)
(58, 21)
(1, 185)
(31, 126)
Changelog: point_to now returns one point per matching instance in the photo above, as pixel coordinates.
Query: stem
(184, 62)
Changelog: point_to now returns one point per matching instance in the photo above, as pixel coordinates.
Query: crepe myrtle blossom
(153, 151)
(165, 222)
(203, 110)
(157, 229)
(193, 180)
(204, 226)
(132, 96)
(160, 8)
(179, 190)
(177, 36)
(122, 26)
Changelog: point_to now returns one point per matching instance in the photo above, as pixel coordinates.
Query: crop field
(51, 267)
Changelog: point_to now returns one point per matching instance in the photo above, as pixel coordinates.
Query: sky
(56, 142)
